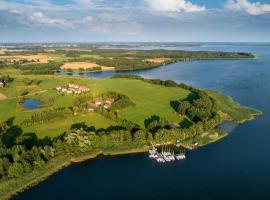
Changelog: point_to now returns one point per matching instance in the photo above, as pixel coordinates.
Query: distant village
(72, 88)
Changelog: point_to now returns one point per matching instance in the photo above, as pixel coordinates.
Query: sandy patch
(78, 65)
(40, 58)
(25, 87)
(104, 68)
(2, 96)
(157, 60)
(3, 51)
(85, 65)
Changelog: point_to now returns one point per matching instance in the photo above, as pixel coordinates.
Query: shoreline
(61, 162)
(11, 187)
(55, 166)
(148, 68)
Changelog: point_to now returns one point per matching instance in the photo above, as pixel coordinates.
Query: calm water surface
(31, 104)
(237, 167)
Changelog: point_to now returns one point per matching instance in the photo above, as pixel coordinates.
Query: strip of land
(76, 66)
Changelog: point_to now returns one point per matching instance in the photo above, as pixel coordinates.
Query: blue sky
(134, 20)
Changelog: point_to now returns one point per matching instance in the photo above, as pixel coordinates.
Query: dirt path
(2, 96)
(30, 94)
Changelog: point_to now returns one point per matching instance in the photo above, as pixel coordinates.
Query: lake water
(236, 167)
(31, 104)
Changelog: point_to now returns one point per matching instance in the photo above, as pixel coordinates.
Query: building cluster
(72, 88)
(106, 104)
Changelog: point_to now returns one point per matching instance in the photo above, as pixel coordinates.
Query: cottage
(98, 102)
(1, 84)
(106, 106)
(69, 92)
(58, 89)
(71, 85)
(108, 103)
(72, 88)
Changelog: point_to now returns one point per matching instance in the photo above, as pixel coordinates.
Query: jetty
(166, 155)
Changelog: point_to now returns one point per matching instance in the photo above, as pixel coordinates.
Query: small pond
(31, 104)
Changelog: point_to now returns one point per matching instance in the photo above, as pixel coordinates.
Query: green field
(149, 99)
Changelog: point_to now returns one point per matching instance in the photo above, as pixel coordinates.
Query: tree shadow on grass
(110, 129)
(150, 120)
(186, 123)
(82, 126)
(46, 141)
(9, 136)
(174, 104)
(190, 97)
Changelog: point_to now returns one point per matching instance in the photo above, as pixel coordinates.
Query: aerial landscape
(138, 99)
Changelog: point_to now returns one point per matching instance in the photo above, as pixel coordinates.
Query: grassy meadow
(149, 99)
(231, 110)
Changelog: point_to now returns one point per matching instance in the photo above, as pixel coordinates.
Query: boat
(180, 156)
(166, 155)
(153, 156)
(153, 151)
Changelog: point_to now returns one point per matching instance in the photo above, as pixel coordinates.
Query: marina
(167, 154)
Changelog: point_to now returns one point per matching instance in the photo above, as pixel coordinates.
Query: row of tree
(48, 115)
(39, 68)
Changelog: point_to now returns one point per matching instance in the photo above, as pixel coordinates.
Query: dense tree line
(39, 68)
(134, 60)
(122, 59)
(21, 154)
(6, 62)
(48, 115)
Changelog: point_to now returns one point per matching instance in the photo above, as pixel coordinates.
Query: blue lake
(236, 167)
(31, 104)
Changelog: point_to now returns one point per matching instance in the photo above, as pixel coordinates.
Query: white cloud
(256, 8)
(173, 6)
(88, 20)
(41, 19)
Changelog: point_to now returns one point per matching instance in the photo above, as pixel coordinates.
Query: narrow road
(30, 94)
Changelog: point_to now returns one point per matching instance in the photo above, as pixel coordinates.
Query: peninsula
(49, 121)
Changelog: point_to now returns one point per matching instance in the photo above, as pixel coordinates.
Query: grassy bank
(231, 110)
